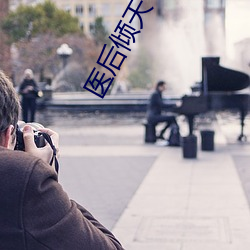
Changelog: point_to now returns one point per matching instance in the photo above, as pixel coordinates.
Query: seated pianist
(155, 107)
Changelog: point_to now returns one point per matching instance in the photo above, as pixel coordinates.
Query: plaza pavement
(175, 203)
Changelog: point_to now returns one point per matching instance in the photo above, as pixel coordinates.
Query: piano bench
(150, 132)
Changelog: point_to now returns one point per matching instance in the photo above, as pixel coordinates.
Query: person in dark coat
(35, 212)
(155, 107)
(29, 91)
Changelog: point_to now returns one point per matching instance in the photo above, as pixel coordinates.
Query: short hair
(28, 72)
(159, 84)
(9, 104)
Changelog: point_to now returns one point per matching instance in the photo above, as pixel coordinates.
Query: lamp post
(64, 51)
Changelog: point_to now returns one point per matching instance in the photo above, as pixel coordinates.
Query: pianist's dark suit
(154, 111)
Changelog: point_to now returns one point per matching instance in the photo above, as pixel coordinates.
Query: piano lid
(218, 78)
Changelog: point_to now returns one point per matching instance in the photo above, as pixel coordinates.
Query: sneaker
(160, 137)
(161, 143)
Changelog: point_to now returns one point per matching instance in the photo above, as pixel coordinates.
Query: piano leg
(243, 114)
(190, 123)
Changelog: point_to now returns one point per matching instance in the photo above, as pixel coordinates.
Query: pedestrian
(35, 212)
(155, 108)
(29, 92)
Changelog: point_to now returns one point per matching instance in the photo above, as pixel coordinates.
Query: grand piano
(220, 89)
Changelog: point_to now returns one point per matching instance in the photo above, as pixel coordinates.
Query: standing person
(29, 91)
(154, 110)
(35, 212)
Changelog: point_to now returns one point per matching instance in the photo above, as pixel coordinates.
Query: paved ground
(149, 195)
(104, 184)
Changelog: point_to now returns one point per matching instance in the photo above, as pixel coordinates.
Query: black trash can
(189, 146)
(207, 140)
(150, 133)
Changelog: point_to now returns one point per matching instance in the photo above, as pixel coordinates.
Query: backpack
(174, 136)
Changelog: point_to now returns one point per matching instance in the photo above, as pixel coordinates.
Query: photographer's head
(9, 112)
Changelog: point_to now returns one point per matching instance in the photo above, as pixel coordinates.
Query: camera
(38, 137)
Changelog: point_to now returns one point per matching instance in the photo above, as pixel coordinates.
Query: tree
(141, 71)
(5, 63)
(40, 55)
(50, 27)
(42, 18)
(100, 33)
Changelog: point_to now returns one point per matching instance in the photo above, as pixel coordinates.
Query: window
(67, 8)
(91, 27)
(92, 10)
(79, 10)
(82, 26)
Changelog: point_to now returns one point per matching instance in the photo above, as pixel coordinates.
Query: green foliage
(100, 33)
(42, 18)
(141, 73)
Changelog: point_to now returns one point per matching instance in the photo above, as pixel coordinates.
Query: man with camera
(35, 212)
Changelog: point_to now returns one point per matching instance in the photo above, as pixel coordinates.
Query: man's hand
(45, 153)
(28, 89)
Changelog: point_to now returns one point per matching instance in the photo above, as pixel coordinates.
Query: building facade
(88, 10)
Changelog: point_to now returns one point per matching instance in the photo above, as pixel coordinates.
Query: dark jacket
(36, 214)
(31, 94)
(155, 104)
